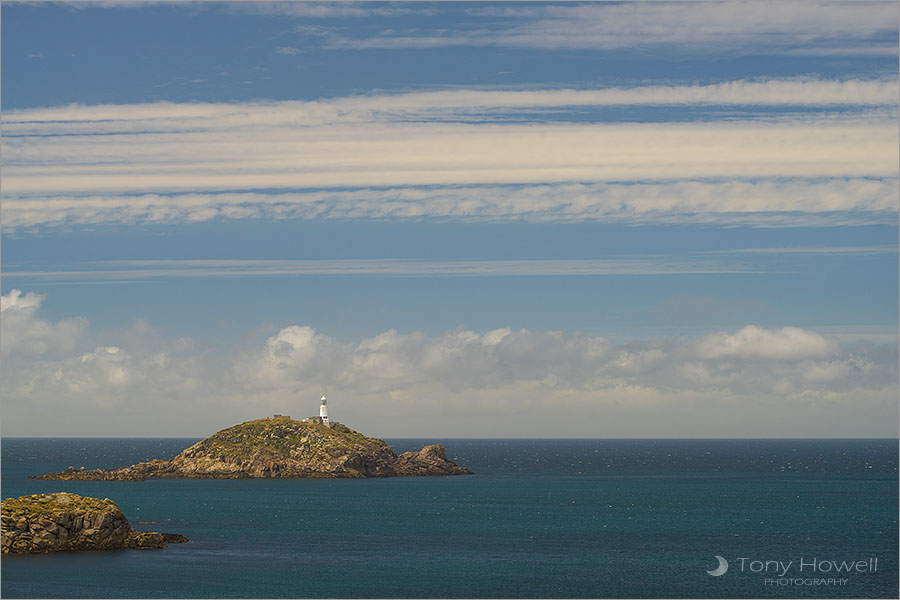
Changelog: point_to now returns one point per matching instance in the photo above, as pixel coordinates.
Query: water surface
(541, 518)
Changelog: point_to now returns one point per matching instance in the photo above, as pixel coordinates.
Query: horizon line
(150, 437)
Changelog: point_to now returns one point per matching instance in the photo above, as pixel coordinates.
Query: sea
(540, 518)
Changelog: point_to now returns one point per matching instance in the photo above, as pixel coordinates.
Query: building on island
(322, 419)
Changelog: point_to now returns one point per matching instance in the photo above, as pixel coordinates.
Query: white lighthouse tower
(323, 412)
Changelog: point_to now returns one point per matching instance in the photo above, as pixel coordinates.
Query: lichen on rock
(61, 521)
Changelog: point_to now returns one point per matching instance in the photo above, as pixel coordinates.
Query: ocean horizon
(540, 518)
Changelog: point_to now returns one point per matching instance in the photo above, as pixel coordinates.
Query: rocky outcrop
(430, 460)
(280, 447)
(61, 521)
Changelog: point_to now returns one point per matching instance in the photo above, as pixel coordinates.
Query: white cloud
(460, 360)
(788, 343)
(57, 369)
(533, 378)
(732, 27)
(111, 363)
(720, 383)
(22, 333)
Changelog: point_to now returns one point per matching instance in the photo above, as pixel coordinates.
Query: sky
(487, 219)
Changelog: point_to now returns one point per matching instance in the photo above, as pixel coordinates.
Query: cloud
(213, 157)
(522, 376)
(783, 361)
(731, 27)
(23, 334)
(770, 203)
(869, 50)
(133, 270)
(331, 10)
(788, 343)
(453, 154)
(58, 367)
(853, 250)
(720, 383)
(708, 262)
(849, 334)
(447, 154)
(160, 117)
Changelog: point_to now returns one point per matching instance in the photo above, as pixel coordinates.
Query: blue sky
(657, 219)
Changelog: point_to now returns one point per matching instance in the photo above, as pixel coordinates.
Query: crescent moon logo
(721, 569)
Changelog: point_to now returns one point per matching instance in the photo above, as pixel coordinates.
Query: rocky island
(281, 447)
(61, 521)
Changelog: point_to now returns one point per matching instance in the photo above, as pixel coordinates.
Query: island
(284, 448)
(61, 521)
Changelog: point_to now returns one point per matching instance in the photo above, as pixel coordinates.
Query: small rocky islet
(61, 521)
(280, 447)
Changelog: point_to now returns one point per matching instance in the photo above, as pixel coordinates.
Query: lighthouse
(322, 419)
(323, 412)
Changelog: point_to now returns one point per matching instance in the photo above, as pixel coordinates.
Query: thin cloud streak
(329, 10)
(875, 334)
(853, 250)
(765, 202)
(731, 27)
(169, 116)
(378, 267)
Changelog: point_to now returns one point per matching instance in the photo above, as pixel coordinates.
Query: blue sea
(539, 519)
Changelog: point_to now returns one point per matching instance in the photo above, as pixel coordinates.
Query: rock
(61, 521)
(430, 460)
(144, 541)
(278, 448)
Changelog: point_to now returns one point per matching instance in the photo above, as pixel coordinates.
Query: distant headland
(284, 448)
